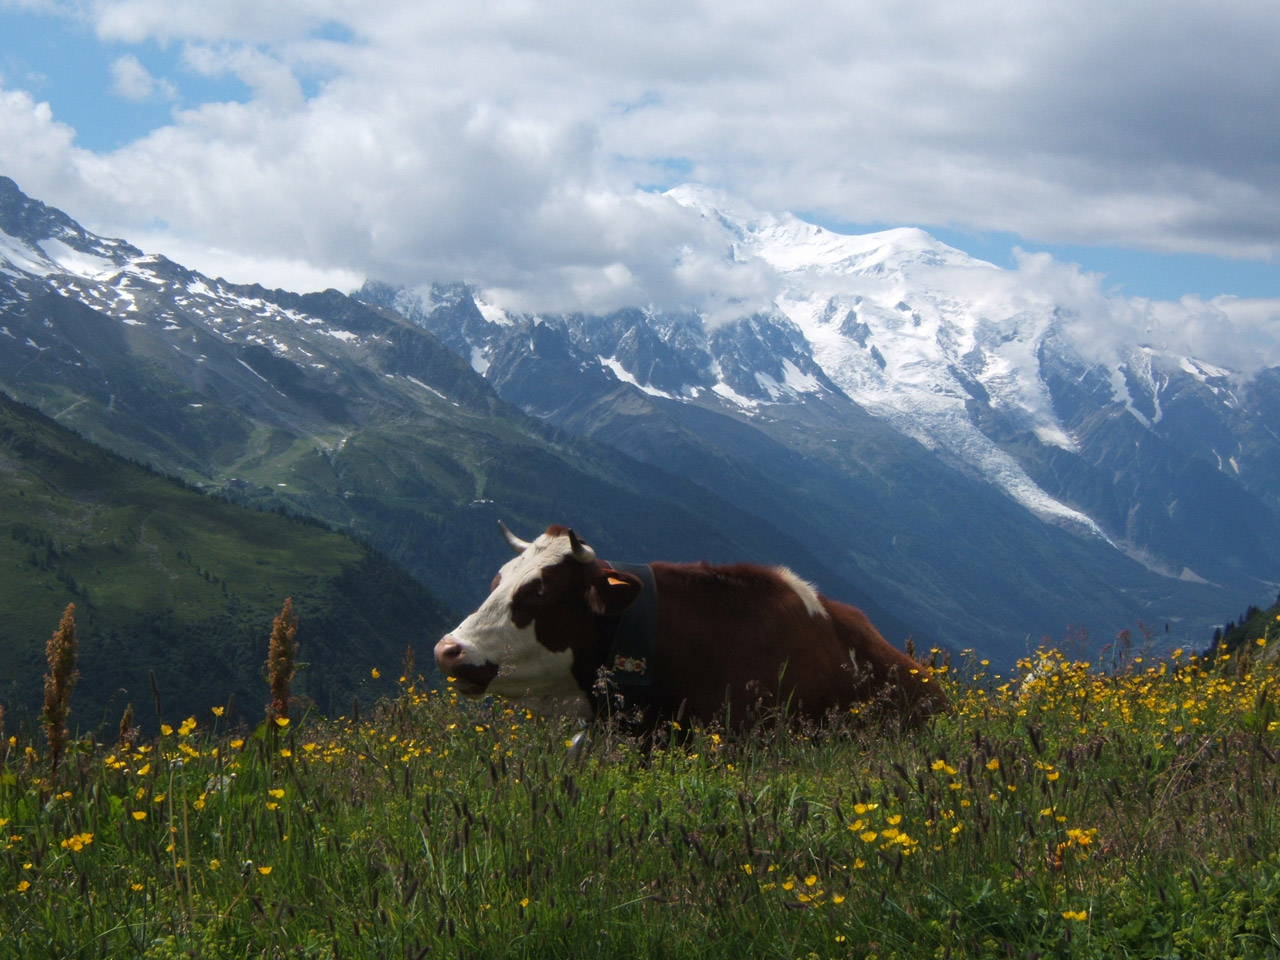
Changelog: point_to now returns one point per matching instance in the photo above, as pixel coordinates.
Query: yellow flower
(77, 842)
(862, 808)
(219, 711)
(1052, 776)
(215, 864)
(166, 729)
(139, 815)
(1075, 914)
(868, 837)
(282, 722)
(136, 887)
(746, 868)
(524, 902)
(374, 673)
(24, 886)
(237, 744)
(264, 870)
(810, 880)
(895, 819)
(993, 764)
(276, 792)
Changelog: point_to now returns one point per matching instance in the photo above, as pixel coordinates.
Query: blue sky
(517, 145)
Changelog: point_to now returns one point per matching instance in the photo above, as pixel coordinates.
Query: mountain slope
(1003, 481)
(170, 582)
(337, 409)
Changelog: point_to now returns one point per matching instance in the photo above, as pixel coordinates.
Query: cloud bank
(517, 145)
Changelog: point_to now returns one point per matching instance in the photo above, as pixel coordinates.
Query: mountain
(894, 425)
(180, 587)
(921, 422)
(329, 407)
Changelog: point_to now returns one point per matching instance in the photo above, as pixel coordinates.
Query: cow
(712, 643)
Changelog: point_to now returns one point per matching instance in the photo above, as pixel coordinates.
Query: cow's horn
(518, 545)
(581, 552)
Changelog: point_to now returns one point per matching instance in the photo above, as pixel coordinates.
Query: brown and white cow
(728, 639)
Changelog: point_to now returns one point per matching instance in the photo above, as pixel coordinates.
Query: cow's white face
(496, 649)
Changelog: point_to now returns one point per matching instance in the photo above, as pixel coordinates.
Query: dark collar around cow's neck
(628, 642)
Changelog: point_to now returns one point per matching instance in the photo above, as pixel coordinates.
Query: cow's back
(745, 637)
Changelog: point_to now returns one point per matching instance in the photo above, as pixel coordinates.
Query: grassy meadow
(1125, 812)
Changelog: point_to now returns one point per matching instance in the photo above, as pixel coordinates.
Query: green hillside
(171, 581)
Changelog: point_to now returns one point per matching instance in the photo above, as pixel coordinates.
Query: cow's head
(536, 636)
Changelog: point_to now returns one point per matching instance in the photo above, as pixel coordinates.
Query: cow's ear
(612, 591)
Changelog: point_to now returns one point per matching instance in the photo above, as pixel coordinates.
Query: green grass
(1126, 813)
(176, 584)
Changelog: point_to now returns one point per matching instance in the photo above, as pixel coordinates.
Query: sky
(524, 146)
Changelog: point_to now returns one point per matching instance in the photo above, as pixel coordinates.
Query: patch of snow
(619, 371)
(493, 313)
(479, 362)
(798, 381)
(87, 265)
(25, 259)
(725, 391)
(431, 389)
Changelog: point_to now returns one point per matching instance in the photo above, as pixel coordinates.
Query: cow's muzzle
(470, 679)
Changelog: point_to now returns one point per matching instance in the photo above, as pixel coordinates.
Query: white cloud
(132, 81)
(503, 142)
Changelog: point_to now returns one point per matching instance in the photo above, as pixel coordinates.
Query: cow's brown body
(729, 640)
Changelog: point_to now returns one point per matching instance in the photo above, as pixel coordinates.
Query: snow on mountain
(912, 330)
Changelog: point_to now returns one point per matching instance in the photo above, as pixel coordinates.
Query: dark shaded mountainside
(174, 585)
(370, 416)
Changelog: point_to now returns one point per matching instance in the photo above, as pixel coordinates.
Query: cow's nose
(449, 652)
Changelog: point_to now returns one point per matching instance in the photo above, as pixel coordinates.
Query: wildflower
(139, 815)
(868, 837)
(264, 870)
(1077, 915)
(375, 673)
(136, 887)
(277, 792)
(746, 868)
(282, 722)
(24, 886)
(219, 711)
(810, 880)
(166, 730)
(215, 864)
(77, 842)
(524, 902)
(993, 764)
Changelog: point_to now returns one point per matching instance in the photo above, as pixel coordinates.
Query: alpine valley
(895, 426)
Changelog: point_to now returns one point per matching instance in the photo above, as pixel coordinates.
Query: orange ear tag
(617, 583)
